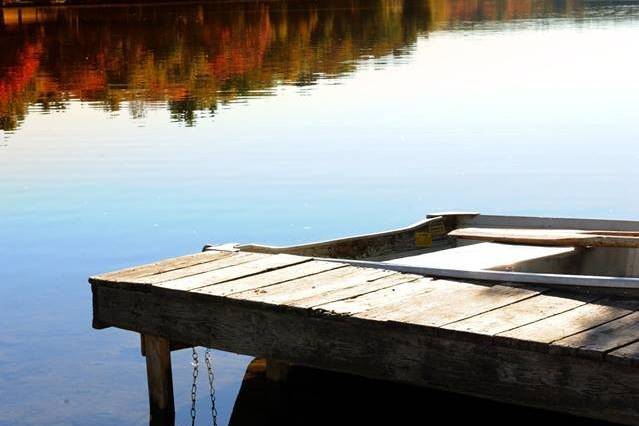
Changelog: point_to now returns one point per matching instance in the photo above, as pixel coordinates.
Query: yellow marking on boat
(423, 239)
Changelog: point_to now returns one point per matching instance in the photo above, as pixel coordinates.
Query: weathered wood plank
(551, 237)
(160, 379)
(376, 299)
(500, 221)
(571, 322)
(162, 266)
(415, 237)
(277, 276)
(353, 291)
(606, 337)
(225, 262)
(264, 264)
(302, 288)
(520, 313)
(437, 245)
(628, 354)
(449, 302)
(428, 356)
(173, 345)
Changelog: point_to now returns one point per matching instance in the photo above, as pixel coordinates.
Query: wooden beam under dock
(160, 380)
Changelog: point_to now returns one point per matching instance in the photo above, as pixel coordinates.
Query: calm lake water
(133, 133)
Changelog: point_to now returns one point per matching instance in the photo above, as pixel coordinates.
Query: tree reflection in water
(193, 58)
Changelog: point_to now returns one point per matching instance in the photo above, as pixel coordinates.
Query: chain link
(211, 376)
(195, 363)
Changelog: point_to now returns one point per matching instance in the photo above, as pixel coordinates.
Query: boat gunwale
(462, 219)
(264, 248)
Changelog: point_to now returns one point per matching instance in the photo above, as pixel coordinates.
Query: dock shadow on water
(311, 396)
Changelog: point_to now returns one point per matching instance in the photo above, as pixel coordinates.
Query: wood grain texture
(303, 288)
(277, 276)
(244, 269)
(551, 237)
(367, 246)
(349, 292)
(229, 260)
(160, 379)
(173, 345)
(628, 354)
(445, 359)
(500, 221)
(380, 298)
(449, 302)
(605, 337)
(571, 322)
(166, 265)
(521, 313)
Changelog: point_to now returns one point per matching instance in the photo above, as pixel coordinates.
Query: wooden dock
(573, 352)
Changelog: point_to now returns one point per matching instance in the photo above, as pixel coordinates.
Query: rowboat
(584, 253)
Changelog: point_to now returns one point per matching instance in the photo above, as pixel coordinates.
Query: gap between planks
(304, 289)
(605, 337)
(245, 269)
(161, 266)
(206, 268)
(451, 301)
(613, 330)
(314, 285)
(573, 322)
(573, 301)
(278, 276)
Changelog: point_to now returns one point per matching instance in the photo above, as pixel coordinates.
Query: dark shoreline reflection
(192, 58)
(313, 396)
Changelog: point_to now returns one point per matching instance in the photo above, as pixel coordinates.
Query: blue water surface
(303, 122)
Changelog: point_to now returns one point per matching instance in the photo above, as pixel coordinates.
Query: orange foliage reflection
(194, 57)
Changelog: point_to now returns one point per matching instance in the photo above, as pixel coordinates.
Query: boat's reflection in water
(311, 396)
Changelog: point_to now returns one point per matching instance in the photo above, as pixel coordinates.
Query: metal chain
(195, 363)
(211, 376)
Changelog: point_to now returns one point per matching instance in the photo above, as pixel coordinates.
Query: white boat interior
(578, 252)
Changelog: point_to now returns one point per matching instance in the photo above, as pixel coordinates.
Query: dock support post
(160, 380)
(276, 371)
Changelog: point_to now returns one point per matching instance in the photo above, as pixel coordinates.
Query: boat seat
(551, 237)
(494, 256)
